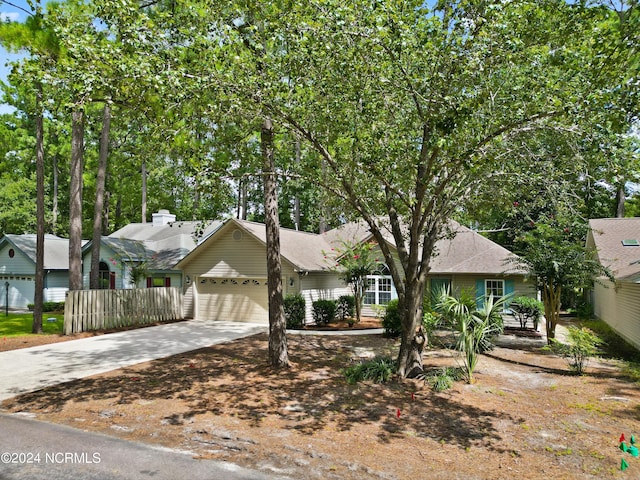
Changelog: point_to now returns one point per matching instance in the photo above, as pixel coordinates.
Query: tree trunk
(55, 209)
(413, 337)
(551, 301)
(620, 198)
(94, 279)
(278, 355)
(75, 201)
(296, 202)
(38, 298)
(143, 172)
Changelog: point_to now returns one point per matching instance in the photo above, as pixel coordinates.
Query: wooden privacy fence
(86, 310)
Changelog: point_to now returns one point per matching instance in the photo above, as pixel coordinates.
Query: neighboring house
(226, 275)
(145, 254)
(18, 269)
(616, 245)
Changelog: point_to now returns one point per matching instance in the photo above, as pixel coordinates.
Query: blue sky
(10, 12)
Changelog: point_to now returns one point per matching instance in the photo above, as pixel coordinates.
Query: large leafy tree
(554, 254)
(411, 107)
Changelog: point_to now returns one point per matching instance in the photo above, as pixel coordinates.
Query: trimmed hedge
(48, 306)
(346, 307)
(294, 310)
(324, 311)
(391, 322)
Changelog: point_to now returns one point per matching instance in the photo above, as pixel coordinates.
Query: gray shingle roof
(607, 235)
(468, 252)
(56, 249)
(162, 245)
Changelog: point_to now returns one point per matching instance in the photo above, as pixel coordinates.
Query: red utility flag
(398, 413)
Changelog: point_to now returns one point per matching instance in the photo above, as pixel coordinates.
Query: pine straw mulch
(525, 416)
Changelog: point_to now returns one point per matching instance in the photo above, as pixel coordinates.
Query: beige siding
(231, 258)
(321, 286)
(188, 299)
(238, 257)
(619, 307)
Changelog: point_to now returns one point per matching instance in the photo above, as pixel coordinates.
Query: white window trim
(375, 283)
(487, 292)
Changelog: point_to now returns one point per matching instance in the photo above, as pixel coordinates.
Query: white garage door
(233, 299)
(21, 291)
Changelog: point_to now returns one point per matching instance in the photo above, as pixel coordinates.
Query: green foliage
(443, 378)
(355, 262)
(378, 370)
(431, 321)
(392, 321)
(583, 344)
(525, 309)
(49, 306)
(346, 307)
(324, 311)
(476, 326)
(557, 259)
(294, 310)
(613, 345)
(17, 324)
(584, 310)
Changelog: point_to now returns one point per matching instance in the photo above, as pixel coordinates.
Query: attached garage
(232, 299)
(21, 291)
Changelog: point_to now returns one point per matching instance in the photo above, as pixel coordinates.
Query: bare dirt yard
(525, 416)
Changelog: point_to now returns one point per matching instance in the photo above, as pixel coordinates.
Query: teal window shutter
(509, 288)
(480, 293)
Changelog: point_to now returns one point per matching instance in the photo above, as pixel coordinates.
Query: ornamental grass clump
(378, 370)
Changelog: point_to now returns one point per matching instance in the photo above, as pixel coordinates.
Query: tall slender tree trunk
(551, 299)
(75, 200)
(296, 203)
(143, 172)
(107, 210)
(54, 208)
(278, 353)
(620, 198)
(94, 279)
(38, 299)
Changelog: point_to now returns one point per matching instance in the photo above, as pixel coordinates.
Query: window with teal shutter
(480, 293)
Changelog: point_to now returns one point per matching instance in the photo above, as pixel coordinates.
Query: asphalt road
(35, 450)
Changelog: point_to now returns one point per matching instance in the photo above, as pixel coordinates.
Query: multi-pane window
(494, 288)
(379, 288)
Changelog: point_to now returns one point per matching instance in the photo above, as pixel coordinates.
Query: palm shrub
(430, 322)
(476, 326)
(583, 344)
(294, 310)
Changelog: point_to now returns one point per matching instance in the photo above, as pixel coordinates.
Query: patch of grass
(590, 407)
(378, 370)
(19, 324)
(443, 378)
(632, 370)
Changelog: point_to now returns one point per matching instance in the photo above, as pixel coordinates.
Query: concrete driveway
(34, 368)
